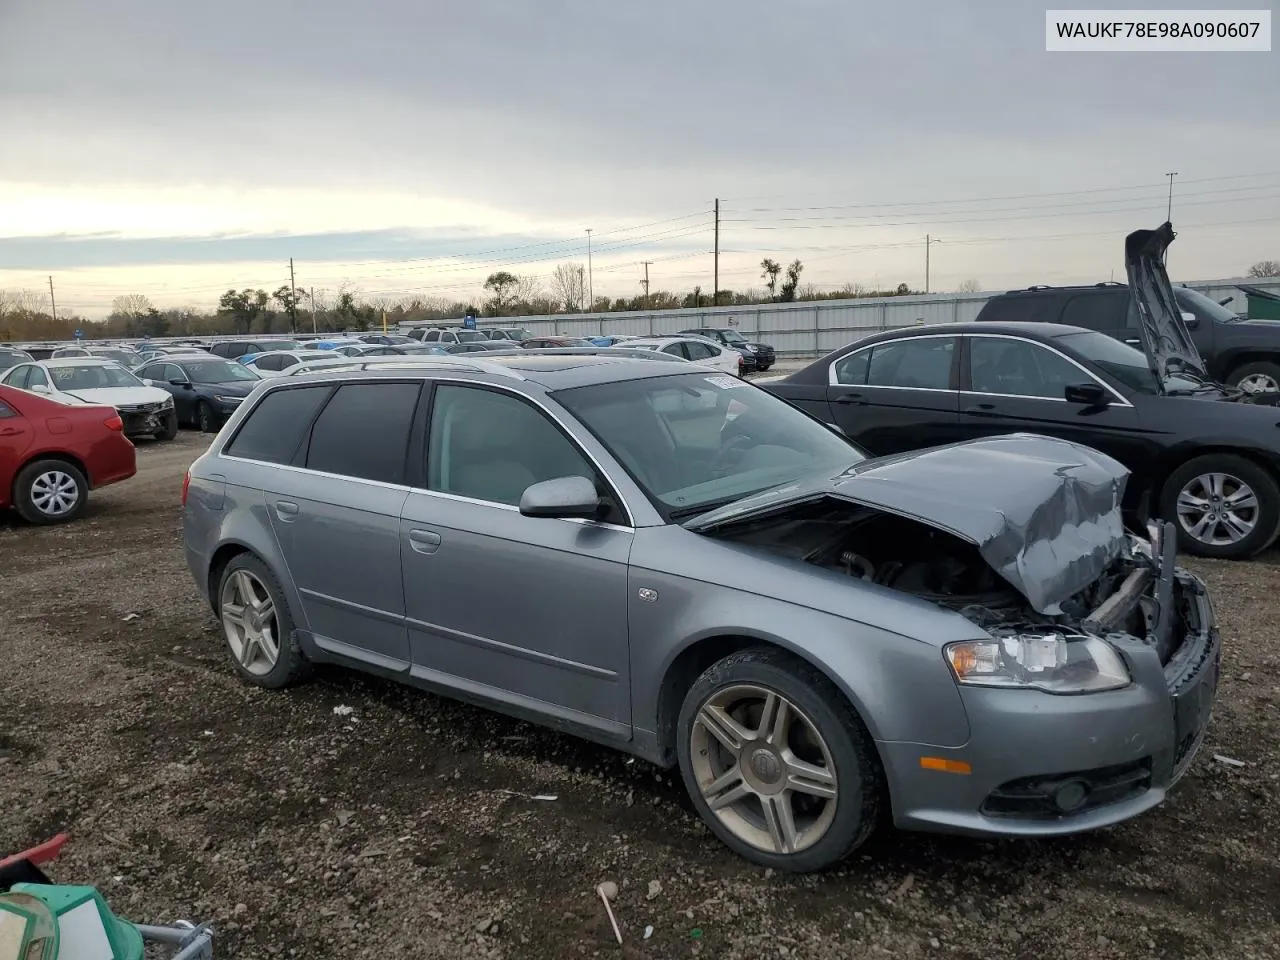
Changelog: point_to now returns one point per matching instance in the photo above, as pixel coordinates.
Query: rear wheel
(258, 625)
(50, 491)
(777, 763)
(1223, 506)
(1261, 376)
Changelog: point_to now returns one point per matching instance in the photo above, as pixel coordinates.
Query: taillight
(186, 483)
(114, 423)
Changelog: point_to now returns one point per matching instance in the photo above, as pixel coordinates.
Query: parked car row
(962, 639)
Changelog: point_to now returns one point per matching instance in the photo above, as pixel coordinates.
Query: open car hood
(1044, 513)
(1165, 338)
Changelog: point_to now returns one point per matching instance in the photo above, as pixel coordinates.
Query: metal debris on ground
(1229, 761)
(608, 891)
(344, 710)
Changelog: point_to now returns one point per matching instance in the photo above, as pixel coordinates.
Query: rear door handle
(11, 432)
(1133, 343)
(979, 406)
(424, 541)
(286, 510)
(849, 398)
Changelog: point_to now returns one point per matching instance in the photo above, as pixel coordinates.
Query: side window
(492, 446)
(17, 377)
(150, 372)
(342, 443)
(1018, 368)
(275, 426)
(36, 378)
(675, 349)
(286, 362)
(6, 411)
(1096, 311)
(431, 336)
(222, 349)
(919, 362)
(268, 363)
(699, 351)
(851, 370)
(1131, 314)
(174, 372)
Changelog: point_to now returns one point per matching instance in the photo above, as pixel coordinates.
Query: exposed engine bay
(913, 557)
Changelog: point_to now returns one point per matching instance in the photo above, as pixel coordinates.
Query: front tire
(50, 491)
(258, 625)
(777, 763)
(1260, 376)
(1223, 506)
(205, 419)
(170, 428)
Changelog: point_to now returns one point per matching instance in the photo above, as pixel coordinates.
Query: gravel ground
(409, 828)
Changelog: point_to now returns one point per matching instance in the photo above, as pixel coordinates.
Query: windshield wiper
(684, 513)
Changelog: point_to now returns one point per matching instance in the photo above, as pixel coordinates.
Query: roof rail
(624, 353)
(409, 360)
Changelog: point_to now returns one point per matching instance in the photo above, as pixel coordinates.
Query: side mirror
(1190, 319)
(563, 497)
(1089, 394)
(837, 429)
(179, 383)
(39, 388)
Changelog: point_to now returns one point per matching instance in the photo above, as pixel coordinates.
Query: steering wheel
(720, 462)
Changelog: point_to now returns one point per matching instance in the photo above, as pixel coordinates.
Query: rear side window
(1038, 308)
(6, 411)
(364, 431)
(431, 336)
(269, 363)
(275, 426)
(1096, 311)
(921, 363)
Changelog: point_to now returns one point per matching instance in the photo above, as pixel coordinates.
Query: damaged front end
(1022, 536)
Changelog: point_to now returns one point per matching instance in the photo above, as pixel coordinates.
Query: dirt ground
(409, 828)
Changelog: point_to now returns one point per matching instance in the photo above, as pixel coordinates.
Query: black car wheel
(1261, 376)
(1223, 506)
(205, 419)
(777, 763)
(169, 429)
(50, 491)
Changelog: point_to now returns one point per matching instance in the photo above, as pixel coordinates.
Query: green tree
(769, 273)
(288, 299)
(244, 307)
(792, 282)
(503, 286)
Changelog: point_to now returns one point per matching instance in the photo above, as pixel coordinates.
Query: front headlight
(167, 403)
(228, 399)
(1052, 662)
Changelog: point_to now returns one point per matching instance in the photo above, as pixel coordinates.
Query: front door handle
(986, 407)
(286, 510)
(1133, 343)
(424, 541)
(849, 398)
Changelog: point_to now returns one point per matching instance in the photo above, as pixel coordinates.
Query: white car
(146, 411)
(121, 355)
(698, 350)
(274, 363)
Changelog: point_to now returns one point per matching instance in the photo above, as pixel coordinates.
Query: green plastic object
(86, 929)
(28, 930)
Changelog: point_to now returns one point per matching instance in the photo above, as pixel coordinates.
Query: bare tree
(527, 290)
(969, 286)
(1265, 268)
(132, 305)
(569, 286)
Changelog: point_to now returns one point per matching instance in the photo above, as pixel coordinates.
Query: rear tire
(50, 491)
(170, 428)
(802, 788)
(250, 604)
(1260, 376)
(1222, 506)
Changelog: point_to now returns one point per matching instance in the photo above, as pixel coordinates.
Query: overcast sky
(177, 149)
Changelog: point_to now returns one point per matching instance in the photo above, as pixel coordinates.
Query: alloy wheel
(55, 493)
(1259, 383)
(1218, 509)
(763, 768)
(249, 622)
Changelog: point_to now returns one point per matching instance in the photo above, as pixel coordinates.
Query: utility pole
(646, 281)
(313, 310)
(53, 304)
(715, 281)
(591, 292)
(1169, 213)
(928, 242)
(293, 300)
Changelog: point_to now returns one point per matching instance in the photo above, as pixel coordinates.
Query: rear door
(898, 395)
(338, 517)
(15, 437)
(1012, 384)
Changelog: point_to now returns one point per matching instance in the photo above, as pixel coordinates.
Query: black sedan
(206, 389)
(1201, 455)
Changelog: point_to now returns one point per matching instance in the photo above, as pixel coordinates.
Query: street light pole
(591, 292)
(928, 242)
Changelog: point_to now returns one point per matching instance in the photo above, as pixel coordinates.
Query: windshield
(470, 336)
(1196, 302)
(92, 377)
(265, 345)
(125, 357)
(732, 336)
(217, 371)
(696, 441)
(1122, 362)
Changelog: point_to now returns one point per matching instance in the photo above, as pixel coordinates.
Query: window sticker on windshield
(724, 383)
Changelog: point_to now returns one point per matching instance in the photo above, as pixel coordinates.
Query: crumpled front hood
(121, 396)
(1044, 513)
(1165, 338)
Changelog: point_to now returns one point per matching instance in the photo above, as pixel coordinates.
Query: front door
(897, 395)
(527, 611)
(1017, 385)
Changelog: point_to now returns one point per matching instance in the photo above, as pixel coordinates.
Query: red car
(52, 454)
